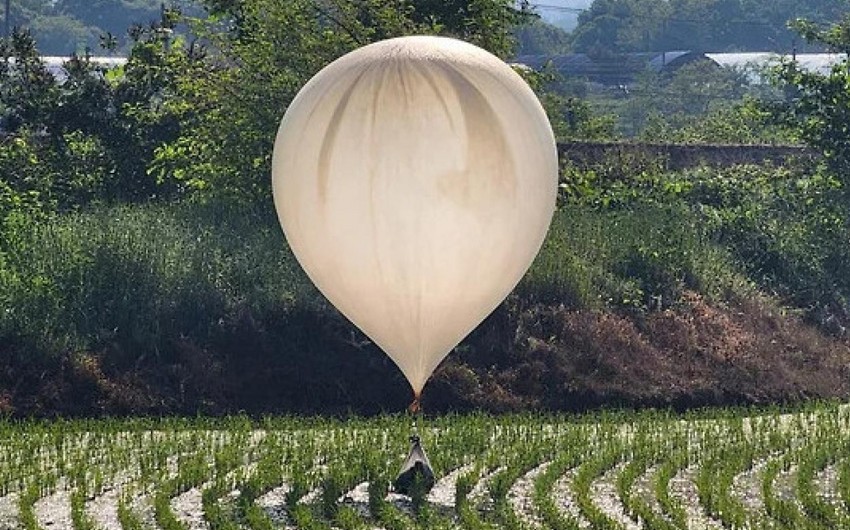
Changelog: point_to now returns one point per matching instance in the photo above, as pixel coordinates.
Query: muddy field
(731, 469)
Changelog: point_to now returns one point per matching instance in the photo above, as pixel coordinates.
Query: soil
(525, 356)
(53, 511)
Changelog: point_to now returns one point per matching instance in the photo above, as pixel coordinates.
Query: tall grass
(136, 278)
(641, 258)
(140, 276)
(207, 304)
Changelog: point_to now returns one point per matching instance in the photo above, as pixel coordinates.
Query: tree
(63, 35)
(699, 86)
(539, 38)
(264, 51)
(668, 102)
(818, 105)
(92, 135)
(703, 25)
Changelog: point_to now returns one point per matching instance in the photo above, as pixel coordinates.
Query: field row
(609, 471)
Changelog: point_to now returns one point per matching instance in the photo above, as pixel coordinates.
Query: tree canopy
(194, 114)
(63, 27)
(818, 105)
(703, 25)
(269, 50)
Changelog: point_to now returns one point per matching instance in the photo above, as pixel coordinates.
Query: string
(415, 410)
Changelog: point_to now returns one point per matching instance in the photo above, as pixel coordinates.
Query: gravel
(520, 496)
(53, 511)
(565, 500)
(9, 511)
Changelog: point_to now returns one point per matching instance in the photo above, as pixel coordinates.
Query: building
(623, 69)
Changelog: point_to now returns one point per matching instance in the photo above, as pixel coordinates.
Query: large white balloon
(415, 179)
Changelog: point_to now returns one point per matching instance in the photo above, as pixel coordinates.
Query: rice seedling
(326, 473)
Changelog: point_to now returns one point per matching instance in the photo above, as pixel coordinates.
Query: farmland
(611, 470)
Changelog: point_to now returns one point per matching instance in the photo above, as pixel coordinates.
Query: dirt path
(443, 492)
(746, 486)
(9, 512)
(53, 511)
(565, 500)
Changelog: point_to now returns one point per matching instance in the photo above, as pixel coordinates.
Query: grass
(173, 307)
(235, 462)
(141, 277)
(641, 258)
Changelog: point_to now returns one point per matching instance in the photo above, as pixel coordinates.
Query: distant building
(820, 63)
(612, 70)
(622, 69)
(56, 65)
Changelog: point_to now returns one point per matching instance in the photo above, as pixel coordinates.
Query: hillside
(143, 270)
(63, 27)
(186, 309)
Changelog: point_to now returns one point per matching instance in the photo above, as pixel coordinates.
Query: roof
(820, 63)
(56, 64)
(612, 69)
(623, 68)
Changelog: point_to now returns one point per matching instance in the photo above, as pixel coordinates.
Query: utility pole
(8, 18)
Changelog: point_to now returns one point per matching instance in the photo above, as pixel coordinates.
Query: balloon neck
(416, 406)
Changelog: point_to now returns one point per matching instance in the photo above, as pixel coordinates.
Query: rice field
(731, 469)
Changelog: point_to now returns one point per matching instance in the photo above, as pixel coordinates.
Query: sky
(563, 13)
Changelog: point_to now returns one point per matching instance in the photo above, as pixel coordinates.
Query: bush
(783, 228)
(787, 229)
(139, 277)
(642, 258)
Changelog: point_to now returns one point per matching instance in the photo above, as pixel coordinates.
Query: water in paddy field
(718, 468)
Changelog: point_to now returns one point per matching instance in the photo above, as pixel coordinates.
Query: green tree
(63, 35)
(113, 16)
(539, 38)
(658, 105)
(266, 50)
(704, 25)
(818, 105)
(616, 26)
(699, 86)
(92, 135)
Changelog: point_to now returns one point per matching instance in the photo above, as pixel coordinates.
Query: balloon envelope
(415, 179)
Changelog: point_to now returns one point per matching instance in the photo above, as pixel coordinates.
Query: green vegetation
(63, 27)
(143, 273)
(202, 301)
(818, 108)
(142, 269)
(507, 471)
(617, 26)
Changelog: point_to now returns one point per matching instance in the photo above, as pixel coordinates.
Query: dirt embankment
(522, 357)
(697, 354)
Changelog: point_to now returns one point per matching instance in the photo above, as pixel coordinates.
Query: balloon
(415, 179)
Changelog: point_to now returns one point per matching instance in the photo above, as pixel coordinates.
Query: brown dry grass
(697, 354)
(521, 358)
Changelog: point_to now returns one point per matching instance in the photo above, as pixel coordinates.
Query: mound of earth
(696, 354)
(523, 357)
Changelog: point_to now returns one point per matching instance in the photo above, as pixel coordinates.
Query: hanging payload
(416, 476)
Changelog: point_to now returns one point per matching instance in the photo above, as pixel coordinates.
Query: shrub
(139, 277)
(641, 258)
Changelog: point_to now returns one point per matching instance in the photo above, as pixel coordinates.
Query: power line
(559, 8)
